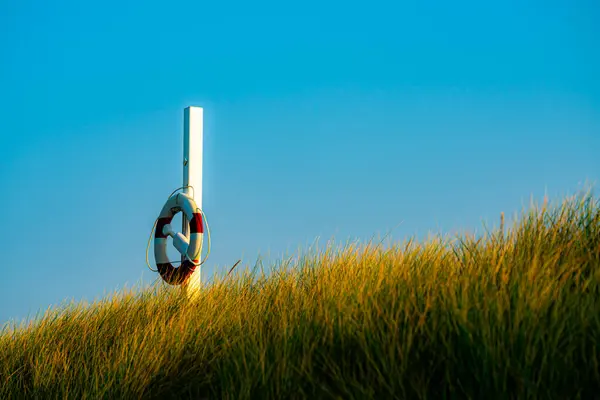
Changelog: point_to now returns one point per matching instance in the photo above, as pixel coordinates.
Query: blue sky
(321, 120)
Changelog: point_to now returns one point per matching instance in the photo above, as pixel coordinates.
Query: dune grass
(512, 313)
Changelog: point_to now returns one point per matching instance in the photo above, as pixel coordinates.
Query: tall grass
(513, 313)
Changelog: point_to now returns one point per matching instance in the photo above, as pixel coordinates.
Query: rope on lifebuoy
(161, 229)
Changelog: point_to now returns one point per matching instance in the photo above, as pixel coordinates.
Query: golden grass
(513, 313)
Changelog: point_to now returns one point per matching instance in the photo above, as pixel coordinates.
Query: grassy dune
(514, 313)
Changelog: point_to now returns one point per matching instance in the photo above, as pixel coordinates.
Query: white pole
(192, 169)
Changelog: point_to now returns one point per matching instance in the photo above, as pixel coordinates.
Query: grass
(514, 313)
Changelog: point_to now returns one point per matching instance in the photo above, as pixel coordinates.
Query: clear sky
(322, 119)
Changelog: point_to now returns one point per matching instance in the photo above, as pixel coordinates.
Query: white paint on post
(192, 169)
(192, 152)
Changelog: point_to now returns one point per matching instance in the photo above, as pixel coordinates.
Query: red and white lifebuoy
(190, 247)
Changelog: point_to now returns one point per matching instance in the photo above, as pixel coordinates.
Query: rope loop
(199, 250)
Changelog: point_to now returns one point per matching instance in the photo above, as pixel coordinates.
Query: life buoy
(169, 273)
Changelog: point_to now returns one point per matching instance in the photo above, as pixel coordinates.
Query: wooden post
(192, 173)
